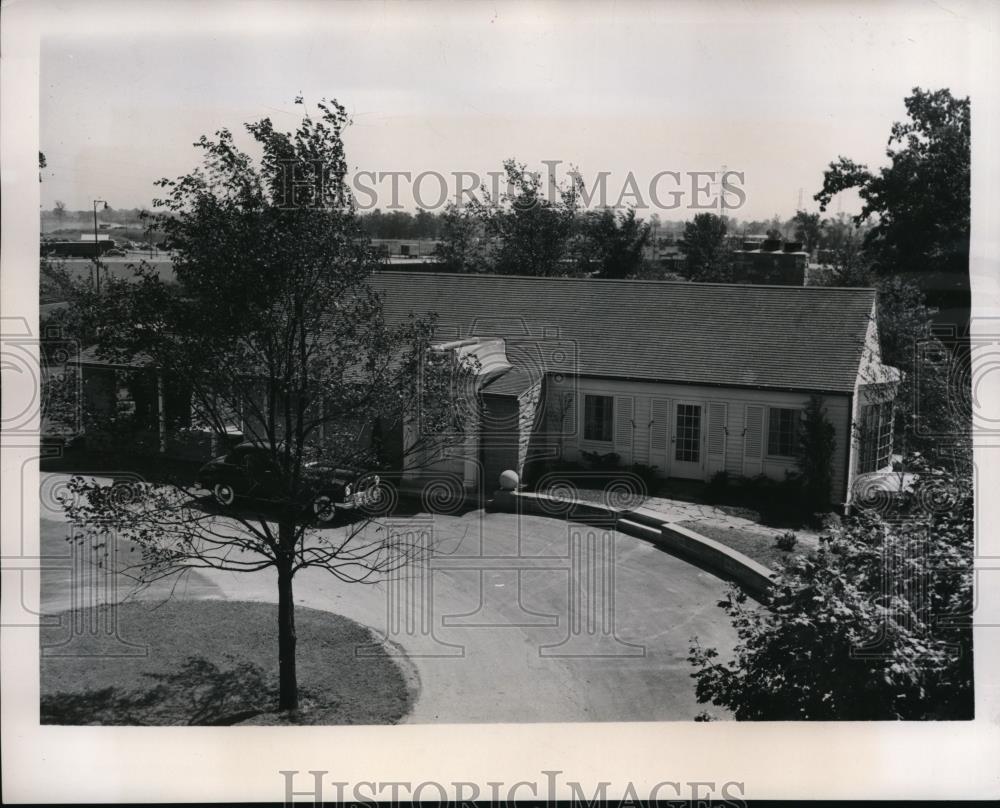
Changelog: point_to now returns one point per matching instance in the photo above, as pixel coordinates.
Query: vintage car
(249, 472)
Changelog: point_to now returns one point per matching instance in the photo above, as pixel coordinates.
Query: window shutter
(753, 441)
(660, 414)
(567, 406)
(717, 412)
(623, 425)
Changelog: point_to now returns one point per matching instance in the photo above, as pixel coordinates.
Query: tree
(920, 201)
(274, 328)
(808, 229)
(932, 414)
(613, 243)
(529, 229)
(59, 211)
(814, 455)
(873, 625)
(707, 257)
(461, 248)
(42, 163)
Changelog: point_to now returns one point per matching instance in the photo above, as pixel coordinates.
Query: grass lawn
(757, 545)
(215, 662)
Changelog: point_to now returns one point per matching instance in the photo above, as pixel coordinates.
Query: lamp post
(97, 265)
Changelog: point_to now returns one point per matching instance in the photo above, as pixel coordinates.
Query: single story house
(690, 378)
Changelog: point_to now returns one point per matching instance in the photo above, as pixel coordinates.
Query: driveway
(510, 619)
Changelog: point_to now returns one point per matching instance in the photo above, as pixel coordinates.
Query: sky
(772, 90)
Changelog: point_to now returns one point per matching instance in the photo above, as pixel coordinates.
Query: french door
(687, 451)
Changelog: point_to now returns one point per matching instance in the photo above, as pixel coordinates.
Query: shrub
(718, 487)
(648, 475)
(597, 461)
(875, 625)
(786, 541)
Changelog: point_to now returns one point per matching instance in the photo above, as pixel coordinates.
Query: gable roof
(737, 335)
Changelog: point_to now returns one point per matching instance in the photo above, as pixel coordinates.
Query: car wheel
(224, 494)
(324, 508)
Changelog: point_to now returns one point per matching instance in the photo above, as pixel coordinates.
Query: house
(691, 378)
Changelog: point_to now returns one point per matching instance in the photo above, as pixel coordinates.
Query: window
(782, 432)
(688, 443)
(876, 436)
(598, 412)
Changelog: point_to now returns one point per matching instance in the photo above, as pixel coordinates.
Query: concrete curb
(713, 556)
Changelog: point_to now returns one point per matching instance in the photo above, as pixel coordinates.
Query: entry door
(687, 457)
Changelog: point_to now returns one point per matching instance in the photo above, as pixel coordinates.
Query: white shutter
(624, 414)
(660, 428)
(717, 414)
(568, 426)
(753, 440)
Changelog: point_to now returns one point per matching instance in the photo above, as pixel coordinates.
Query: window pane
(688, 443)
(598, 415)
(781, 432)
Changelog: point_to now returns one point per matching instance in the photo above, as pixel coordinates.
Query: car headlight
(347, 492)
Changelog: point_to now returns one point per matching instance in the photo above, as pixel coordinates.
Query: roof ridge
(649, 281)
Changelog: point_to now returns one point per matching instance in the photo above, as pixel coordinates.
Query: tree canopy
(272, 330)
(706, 254)
(920, 201)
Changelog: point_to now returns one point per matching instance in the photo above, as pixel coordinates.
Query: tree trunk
(288, 687)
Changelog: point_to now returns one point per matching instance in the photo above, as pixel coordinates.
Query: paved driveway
(512, 619)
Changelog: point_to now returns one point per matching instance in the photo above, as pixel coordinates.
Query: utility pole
(97, 263)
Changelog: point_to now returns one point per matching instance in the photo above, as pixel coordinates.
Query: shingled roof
(735, 335)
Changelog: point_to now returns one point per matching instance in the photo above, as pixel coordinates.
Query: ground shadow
(200, 693)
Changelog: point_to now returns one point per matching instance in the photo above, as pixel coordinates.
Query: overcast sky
(772, 90)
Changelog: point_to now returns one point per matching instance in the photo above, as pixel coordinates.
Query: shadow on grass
(200, 693)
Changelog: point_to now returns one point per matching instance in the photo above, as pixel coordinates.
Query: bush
(718, 488)
(646, 473)
(596, 461)
(786, 541)
(875, 625)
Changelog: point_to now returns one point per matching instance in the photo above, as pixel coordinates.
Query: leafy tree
(920, 201)
(461, 248)
(706, 254)
(932, 415)
(613, 243)
(59, 211)
(808, 229)
(848, 266)
(529, 228)
(873, 625)
(274, 328)
(814, 455)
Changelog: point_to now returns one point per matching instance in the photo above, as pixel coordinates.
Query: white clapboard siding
(624, 414)
(753, 440)
(717, 418)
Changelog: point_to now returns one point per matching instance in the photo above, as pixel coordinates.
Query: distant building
(770, 262)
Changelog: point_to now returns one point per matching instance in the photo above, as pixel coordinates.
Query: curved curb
(713, 556)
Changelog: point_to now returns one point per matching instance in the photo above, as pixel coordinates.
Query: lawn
(758, 545)
(215, 663)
